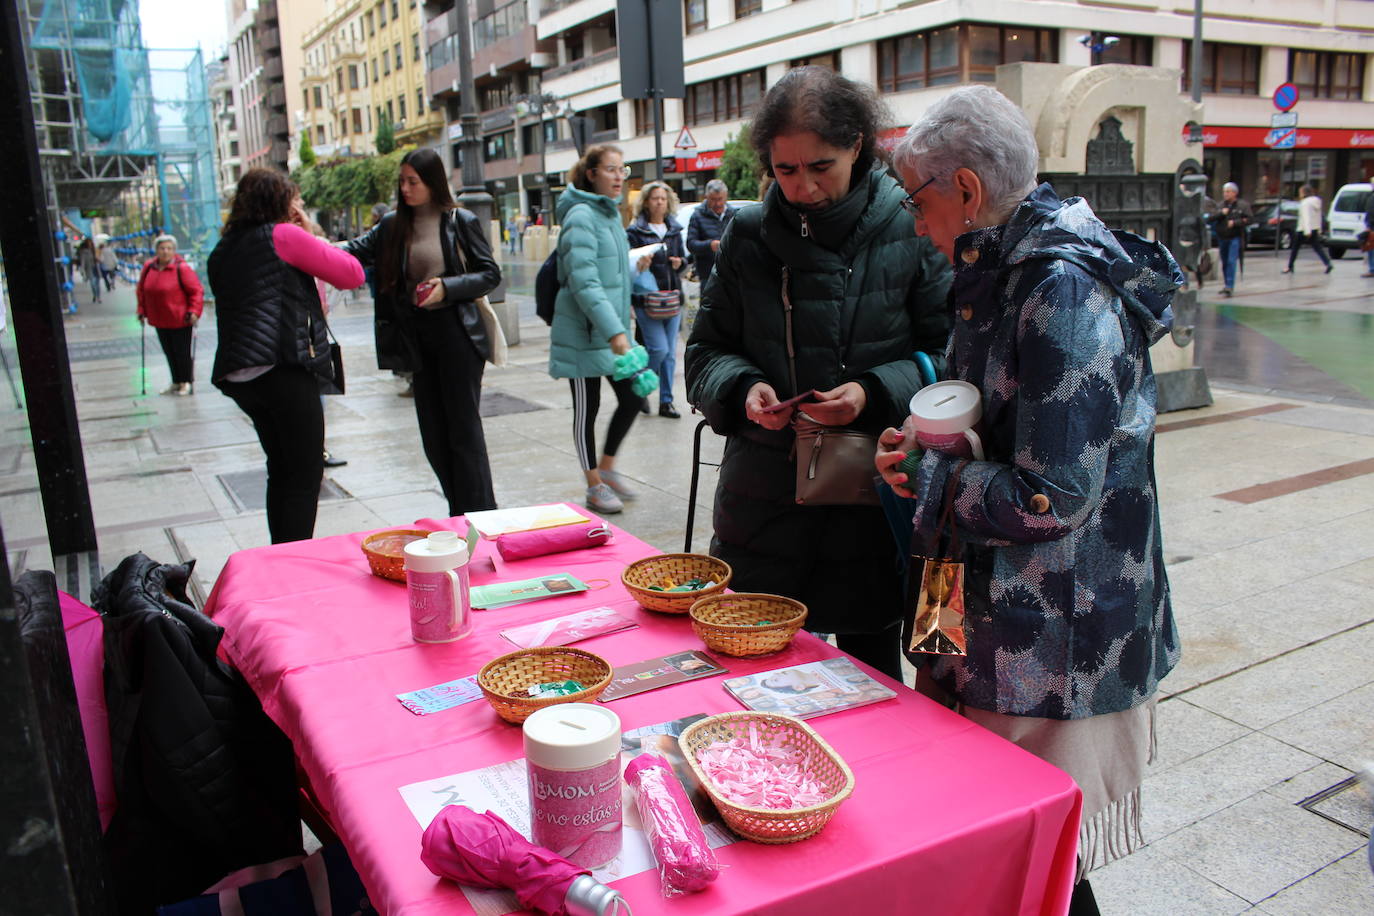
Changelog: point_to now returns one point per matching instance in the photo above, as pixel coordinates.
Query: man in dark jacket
(707, 225)
(1229, 223)
(828, 268)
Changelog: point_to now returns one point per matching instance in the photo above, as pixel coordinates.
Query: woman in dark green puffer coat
(866, 293)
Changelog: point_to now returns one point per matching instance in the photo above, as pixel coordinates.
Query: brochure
(804, 691)
(628, 680)
(441, 696)
(504, 789)
(564, 631)
(504, 594)
(493, 522)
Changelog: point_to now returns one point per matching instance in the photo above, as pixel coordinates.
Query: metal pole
(474, 194)
(654, 90)
(1197, 52)
(27, 241)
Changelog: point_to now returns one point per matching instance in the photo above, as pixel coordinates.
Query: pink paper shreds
(759, 775)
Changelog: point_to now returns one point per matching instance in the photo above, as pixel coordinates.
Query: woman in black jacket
(432, 261)
(274, 350)
(660, 317)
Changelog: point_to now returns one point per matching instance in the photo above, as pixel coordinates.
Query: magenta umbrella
(482, 850)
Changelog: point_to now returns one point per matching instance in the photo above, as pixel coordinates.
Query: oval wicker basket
(387, 564)
(505, 681)
(767, 825)
(674, 567)
(745, 624)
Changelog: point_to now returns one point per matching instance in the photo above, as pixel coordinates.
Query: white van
(1346, 218)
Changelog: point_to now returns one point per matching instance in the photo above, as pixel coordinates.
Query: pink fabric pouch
(521, 545)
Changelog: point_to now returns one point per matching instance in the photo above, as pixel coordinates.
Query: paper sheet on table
(492, 522)
(504, 789)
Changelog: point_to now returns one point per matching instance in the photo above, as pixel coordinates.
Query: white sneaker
(172, 389)
(183, 390)
(616, 481)
(603, 499)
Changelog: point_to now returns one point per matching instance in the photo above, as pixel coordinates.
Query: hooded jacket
(1066, 596)
(865, 293)
(593, 303)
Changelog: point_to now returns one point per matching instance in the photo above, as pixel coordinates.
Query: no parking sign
(1285, 97)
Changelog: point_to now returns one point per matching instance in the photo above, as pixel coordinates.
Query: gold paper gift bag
(937, 626)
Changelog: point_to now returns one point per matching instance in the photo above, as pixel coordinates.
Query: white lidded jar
(437, 587)
(572, 753)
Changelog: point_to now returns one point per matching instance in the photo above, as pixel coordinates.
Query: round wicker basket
(744, 624)
(674, 567)
(389, 562)
(505, 681)
(766, 825)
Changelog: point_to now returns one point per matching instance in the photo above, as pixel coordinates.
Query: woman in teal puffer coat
(591, 319)
(830, 238)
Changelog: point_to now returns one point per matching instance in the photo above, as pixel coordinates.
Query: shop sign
(1306, 138)
(702, 162)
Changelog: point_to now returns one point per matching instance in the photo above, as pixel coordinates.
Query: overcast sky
(183, 24)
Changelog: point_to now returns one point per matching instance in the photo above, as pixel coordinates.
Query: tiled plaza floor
(1268, 511)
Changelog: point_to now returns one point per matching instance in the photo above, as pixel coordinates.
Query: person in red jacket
(171, 299)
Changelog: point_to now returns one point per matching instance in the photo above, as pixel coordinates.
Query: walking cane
(143, 354)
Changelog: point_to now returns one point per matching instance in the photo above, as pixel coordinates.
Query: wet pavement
(1267, 501)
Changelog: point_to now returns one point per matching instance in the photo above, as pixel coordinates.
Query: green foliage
(307, 149)
(355, 181)
(740, 167)
(386, 136)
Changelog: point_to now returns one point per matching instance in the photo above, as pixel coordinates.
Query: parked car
(1260, 233)
(1345, 219)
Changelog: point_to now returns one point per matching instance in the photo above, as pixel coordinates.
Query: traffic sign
(685, 140)
(1285, 97)
(1283, 138)
(1283, 119)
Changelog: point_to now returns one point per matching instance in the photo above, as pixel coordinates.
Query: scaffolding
(123, 132)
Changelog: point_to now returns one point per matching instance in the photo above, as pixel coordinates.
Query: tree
(386, 136)
(307, 149)
(740, 167)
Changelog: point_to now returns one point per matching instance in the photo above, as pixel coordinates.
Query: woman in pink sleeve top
(274, 352)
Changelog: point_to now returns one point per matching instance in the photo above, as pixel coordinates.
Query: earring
(968, 221)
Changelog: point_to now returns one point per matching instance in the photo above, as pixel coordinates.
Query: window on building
(319, 102)
(1137, 50)
(747, 8)
(1326, 74)
(529, 138)
(381, 13)
(374, 69)
(306, 94)
(415, 47)
(395, 9)
(694, 16)
(371, 24)
(419, 103)
(401, 106)
(352, 76)
(573, 44)
(233, 147)
(390, 112)
(357, 120)
(343, 125)
(338, 74)
(379, 116)
(396, 52)
(500, 146)
(386, 64)
(934, 58)
(829, 61)
(319, 133)
(644, 116)
(1226, 69)
(725, 99)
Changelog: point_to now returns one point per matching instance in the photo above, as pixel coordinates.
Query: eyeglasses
(623, 171)
(909, 203)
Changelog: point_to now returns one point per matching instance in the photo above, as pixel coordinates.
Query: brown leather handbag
(834, 463)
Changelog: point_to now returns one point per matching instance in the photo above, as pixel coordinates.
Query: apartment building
(396, 60)
(244, 74)
(735, 49)
(228, 156)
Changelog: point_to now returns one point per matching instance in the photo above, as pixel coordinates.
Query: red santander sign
(1308, 138)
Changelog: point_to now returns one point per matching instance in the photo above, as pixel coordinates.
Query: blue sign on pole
(1283, 138)
(1285, 97)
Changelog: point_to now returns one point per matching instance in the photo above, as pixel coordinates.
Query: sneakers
(603, 499)
(616, 481)
(1329, 268)
(1225, 291)
(180, 389)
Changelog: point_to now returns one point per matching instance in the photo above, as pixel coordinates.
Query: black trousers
(176, 346)
(284, 405)
(1311, 239)
(586, 394)
(448, 396)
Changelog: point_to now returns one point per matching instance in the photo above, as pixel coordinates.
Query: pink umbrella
(482, 850)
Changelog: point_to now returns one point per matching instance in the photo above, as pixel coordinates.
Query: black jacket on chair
(395, 319)
(205, 781)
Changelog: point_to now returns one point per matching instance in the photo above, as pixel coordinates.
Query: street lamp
(537, 103)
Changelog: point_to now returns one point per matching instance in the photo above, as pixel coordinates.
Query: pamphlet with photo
(808, 690)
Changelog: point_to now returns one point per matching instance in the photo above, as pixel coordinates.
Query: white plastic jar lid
(572, 736)
(947, 407)
(440, 552)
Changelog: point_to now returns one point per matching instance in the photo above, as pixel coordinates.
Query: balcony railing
(600, 57)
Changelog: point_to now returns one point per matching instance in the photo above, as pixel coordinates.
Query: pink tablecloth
(945, 817)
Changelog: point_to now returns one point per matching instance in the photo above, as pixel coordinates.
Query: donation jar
(437, 588)
(572, 752)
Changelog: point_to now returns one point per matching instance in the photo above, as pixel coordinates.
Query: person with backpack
(171, 299)
(591, 319)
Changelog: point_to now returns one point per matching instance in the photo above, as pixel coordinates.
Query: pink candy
(759, 775)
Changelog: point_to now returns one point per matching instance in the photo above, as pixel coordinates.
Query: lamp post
(474, 194)
(537, 104)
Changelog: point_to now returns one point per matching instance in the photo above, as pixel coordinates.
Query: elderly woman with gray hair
(1067, 627)
(171, 299)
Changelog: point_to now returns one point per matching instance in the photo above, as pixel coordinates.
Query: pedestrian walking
(591, 320)
(433, 260)
(274, 352)
(1309, 228)
(659, 314)
(520, 223)
(706, 227)
(1229, 223)
(826, 267)
(88, 259)
(171, 299)
(109, 264)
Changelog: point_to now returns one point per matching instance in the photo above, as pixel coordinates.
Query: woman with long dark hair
(432, 261)
(273, 348)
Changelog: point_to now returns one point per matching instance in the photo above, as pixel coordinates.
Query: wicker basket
(389, 564)
(506, 680)
(676, 567)
(744, 624)
(766, 825)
